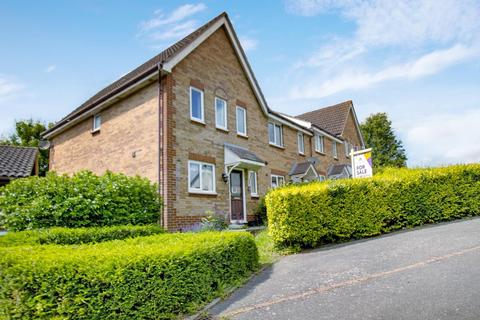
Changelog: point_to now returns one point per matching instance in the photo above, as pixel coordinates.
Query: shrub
(156, 277)
(82, 200)
(260, 212)
(314, 213)
(66, 236)
(214, 222)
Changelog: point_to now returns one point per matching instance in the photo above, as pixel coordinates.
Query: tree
(387, 150)
(27, 134)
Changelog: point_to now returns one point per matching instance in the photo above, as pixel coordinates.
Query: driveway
(427, 273)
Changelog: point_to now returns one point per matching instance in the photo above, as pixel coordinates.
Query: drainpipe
(160, 141)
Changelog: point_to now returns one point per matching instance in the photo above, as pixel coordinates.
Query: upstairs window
(319, 144)
(201, 177)
(275, 134)
(301, 143)
(241, 121)
(97, 122)
(277, 181)
(348, 148)
(334, 149)
(221, 113)
(196, 105)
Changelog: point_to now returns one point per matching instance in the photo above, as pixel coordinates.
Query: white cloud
(177, 31)
(427, 64)
(404, 39)
(248, 43)
(8, 87)
(444, 138)
(173, 26)
(50, 68)
(406, 22)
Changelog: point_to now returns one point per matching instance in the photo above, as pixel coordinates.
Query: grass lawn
(267, 252)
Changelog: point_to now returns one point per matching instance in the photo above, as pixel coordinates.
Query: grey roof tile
(299, 168)
(17, 162)
(243, 153)
(338, 169)
(332, 119)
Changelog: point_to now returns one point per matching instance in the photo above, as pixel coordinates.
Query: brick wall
(127, 141)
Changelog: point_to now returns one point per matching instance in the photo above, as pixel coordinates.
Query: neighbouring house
(194, 120)
(17, 162)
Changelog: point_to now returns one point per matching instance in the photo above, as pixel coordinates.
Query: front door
(236, 196)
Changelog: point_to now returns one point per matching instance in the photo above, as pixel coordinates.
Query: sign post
(362, 163)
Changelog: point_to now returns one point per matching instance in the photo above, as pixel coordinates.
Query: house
(194, 120)
(17, 162)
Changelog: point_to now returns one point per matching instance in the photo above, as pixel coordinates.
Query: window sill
(254, 196)
(301, 154)
(95, 132)
(322, 153)
(201, 194)
(335, 158)
(277, 146)
(222, 129)
(195, 121)
(242, 135)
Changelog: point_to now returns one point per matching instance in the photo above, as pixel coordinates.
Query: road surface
(427, 273)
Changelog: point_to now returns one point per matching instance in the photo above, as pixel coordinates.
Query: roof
(243, 153)
(337, 169)
(146, 68)
(17, 162)
(332, 118)
(300, 168)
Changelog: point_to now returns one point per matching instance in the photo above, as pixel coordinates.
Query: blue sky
(416, 60)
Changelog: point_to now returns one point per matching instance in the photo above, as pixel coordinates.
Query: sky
(418, 61)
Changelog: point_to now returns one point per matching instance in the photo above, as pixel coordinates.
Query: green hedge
(67, 236)
(156, 277)
(81, 200)
(315, 213)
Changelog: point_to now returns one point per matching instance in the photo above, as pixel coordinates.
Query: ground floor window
(277, 181)
(252, 183)
(321, 178)
(201, 177)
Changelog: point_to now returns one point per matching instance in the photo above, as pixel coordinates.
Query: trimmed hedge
(310, 214)
(81, 200)
(67, 236)
(156, 277)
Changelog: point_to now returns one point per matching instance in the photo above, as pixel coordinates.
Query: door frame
(244, 198)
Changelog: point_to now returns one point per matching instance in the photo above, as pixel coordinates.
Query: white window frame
(301, 143)
(200, 189)
(94, 124)
(225, 114)
(276, 176)
(251, 185)
(334, 149)
(244, 120)
(321, 177)
(320, 141)
(278, 141)
(202, 107)
(347, 149)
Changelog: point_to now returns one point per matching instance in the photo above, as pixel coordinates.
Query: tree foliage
(387, 149)
(27, 134)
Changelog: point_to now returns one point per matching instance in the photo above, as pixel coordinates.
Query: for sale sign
(362, 163)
